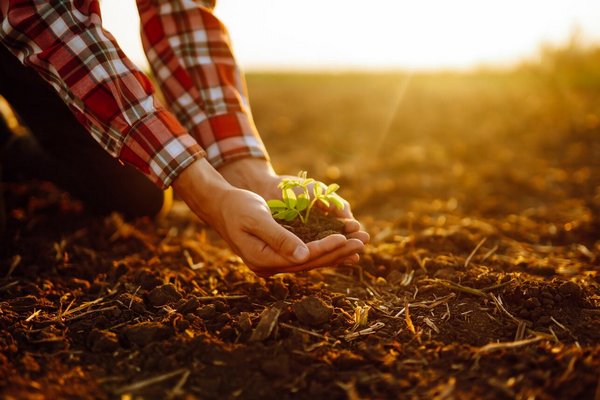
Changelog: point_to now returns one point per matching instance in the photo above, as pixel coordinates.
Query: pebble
(189, 306)
(312, 311)
(532, 303)
(279, 290)
(244, 322)
(148, 279)
(165, 294)
(208, 311)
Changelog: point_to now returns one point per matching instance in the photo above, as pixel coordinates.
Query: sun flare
(385, 34)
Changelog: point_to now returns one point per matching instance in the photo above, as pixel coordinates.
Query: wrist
(248, 173)
(202, 188)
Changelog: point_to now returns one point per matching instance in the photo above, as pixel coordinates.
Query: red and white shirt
(190, 54)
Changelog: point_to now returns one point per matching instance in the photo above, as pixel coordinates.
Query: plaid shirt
(190, 54)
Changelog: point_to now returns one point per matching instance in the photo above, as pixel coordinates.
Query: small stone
(189, 306)
(182, 324)
(161, 295)
(279, 290)
(244, 323)
(208, 311)
(221, 306)
(224, 318)
(312, 311)
(148, 279)
(532, 303)
(340, 301)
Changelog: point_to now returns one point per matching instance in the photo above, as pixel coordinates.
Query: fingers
(335, 257)
(360, 235)
(279, 242)
(327, 251)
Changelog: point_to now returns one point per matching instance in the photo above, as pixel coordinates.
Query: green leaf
(280, 214)
(290, 215)
(302, 203)
(332, 188)
(318, 189)
(324, 201)
(276, 204)
(289, 194)
(337, 201)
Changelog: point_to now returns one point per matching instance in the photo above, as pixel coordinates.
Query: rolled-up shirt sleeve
(191, 56)
(66, 44)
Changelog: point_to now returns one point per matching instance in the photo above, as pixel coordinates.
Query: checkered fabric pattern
(190, 53)
(65, 42)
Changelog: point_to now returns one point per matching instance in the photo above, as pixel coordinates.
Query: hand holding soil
(244, 221)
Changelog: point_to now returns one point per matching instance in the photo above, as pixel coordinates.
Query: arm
(191, 56)
(65, 43)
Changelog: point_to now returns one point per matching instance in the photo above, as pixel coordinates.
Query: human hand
(244, 221)
(258, 176)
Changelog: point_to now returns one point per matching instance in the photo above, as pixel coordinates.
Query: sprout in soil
(298, 201)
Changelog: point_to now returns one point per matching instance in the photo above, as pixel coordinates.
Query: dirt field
(481, 192)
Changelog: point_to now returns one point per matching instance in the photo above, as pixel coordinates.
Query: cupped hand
(258, 176)
(244, 221)
(266, 247)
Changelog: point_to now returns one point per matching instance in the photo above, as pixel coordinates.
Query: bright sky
(382, 34)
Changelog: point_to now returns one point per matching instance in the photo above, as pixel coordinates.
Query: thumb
(282, 241)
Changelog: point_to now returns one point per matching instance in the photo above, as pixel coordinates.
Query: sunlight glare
(382, 33)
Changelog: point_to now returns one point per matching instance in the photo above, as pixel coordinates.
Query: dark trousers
(63, 152)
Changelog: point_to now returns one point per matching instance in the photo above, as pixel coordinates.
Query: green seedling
(297, 201)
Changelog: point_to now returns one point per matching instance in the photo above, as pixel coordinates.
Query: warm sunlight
(386, 34)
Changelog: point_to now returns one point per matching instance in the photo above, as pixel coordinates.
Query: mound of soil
(319, 226)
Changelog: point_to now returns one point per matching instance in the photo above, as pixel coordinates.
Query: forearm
(65, 43)
(191, 56)
(202, 188)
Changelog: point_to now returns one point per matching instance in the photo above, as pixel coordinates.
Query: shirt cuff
(228, 137)
(160, 148)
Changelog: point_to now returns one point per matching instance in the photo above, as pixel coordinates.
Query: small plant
(300, 205)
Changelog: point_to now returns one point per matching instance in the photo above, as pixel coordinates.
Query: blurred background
(382, 34)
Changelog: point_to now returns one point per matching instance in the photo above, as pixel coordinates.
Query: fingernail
(300, 253)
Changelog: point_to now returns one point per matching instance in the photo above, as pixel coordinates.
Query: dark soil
(319, 226)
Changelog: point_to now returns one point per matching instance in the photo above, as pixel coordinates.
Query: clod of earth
(165, 294)
(319, 225)
(312, 311)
